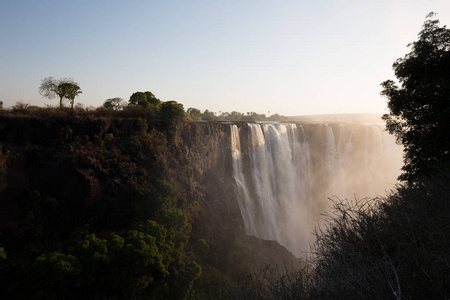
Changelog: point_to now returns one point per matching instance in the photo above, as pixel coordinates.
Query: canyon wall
(99, 172)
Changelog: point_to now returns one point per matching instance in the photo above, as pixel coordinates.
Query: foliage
(114, 104)
(172, 112)
(144, 100)
(398, 245)
(19, 107)
(63, 88)
(194, 113)
(152, 100)
(138, 99)
(420, 107)
(207, 115)
(1, 104)
(273, 283)
(392, 247)
(70, 91)
(2, 256)
(147, 261)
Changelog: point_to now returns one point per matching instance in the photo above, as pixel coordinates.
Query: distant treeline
(165, 110)
(207, 115)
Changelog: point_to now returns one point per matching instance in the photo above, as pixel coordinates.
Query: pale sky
(287, 57)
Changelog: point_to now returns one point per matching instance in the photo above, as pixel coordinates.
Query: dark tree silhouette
(115, 104)
(420, 107)
(63, 88)
(70, 91)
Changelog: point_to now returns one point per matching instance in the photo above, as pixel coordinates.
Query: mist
(285, 173)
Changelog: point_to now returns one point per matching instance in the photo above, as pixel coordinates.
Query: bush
(398, 245)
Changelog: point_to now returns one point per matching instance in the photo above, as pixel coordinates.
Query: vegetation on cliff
(85, 201)
(88, 210)
(207, 115)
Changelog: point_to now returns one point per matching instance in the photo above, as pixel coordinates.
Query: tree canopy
(115, 104)
(70, 91)
(63, 88)
(148, 262)
(419, 109)
(144, 99)
(172, 111)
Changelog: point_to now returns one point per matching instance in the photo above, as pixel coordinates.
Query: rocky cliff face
(62, 173)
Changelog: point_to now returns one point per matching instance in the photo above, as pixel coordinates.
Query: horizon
(292, 58)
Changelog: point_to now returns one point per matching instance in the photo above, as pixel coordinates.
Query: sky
(278, 56)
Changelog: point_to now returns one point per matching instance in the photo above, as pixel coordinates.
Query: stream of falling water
(284, 173)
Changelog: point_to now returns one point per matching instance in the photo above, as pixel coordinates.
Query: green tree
(1, 104)
(50, 88)
(114, 104)
(172, 112)
(194, 113)
(208, 115)
(151, 99)
(146, 262)
(70, 91)
(144, 99)
(138, 99)
(419, 108)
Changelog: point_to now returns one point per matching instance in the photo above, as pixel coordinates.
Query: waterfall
(284, 173)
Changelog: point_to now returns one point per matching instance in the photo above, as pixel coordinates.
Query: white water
(286, 172)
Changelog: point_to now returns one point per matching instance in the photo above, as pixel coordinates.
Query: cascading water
(284, 174)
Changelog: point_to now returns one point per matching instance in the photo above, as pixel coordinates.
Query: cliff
(64, 175)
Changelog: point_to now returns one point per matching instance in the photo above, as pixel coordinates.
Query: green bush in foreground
(148, 262)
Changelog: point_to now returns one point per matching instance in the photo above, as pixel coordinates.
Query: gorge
(252, 192)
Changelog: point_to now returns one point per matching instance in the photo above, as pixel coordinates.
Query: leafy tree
(208, 115)
(50, 88)
(147, 262)
(194, 113)
(151, 99)
(419, 108)
(172, 112)
(138, 99)
(1, 104)
(144, 99)
(70, 91)
(115, 104)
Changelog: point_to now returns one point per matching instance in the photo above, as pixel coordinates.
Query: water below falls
(284, 174)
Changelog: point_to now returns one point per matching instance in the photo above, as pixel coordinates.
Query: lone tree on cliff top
(70, 90)
(420, 108)
(63, 88)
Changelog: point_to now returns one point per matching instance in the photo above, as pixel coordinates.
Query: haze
(286, 57)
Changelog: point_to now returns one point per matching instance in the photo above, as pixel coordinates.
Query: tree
(1, 104)
(138, 99)
(194, 113)
(144, 99)
(419, 108)
(115, 104)
(208, 115)
(151, 99)
(172, 112)
(148, 262)
(70, 91)
(50, 88)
